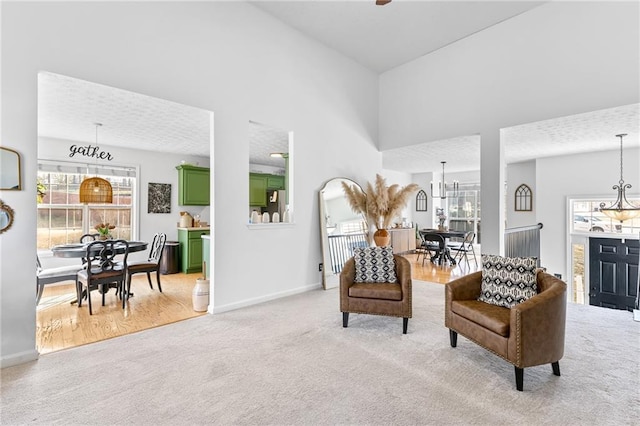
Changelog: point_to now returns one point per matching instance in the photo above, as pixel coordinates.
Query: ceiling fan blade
(382, 2)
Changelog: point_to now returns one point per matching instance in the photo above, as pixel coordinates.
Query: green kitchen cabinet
(275, 182)
(193, 185)
(257, 190)
(191, 252)
(259, 183)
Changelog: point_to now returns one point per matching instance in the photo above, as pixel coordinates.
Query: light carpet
(291, 362)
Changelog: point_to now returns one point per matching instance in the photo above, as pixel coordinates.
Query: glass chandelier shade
(96, 190)
(621, 209)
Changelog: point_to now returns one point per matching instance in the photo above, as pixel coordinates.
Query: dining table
(79, 250)
(445, 255)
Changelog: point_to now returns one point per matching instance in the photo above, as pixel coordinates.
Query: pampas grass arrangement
(380, 203)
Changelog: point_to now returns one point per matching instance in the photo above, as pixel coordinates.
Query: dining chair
(53, 275)
(103, 271)
(87, 238)
(463, 248)
(434, 244)
(152, 264)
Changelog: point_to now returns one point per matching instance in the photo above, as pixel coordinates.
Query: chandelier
(621, 209)
(96, 190)
(442, 187)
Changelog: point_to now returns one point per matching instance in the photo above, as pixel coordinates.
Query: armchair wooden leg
(345, 319)
(556, 368)
(453, 338)
(519, 378)
(405, 324)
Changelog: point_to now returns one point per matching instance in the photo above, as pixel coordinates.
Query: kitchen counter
(196, 228)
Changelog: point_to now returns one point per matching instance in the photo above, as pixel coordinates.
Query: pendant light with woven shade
(96, 190)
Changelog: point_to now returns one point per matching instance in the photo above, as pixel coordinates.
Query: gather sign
(90, 151)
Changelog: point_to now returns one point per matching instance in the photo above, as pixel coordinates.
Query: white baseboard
(636, 315)
(19, 358)
(262, 299)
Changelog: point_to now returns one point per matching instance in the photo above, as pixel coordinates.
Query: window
(63, 219)
(464, 210)
(586, 217)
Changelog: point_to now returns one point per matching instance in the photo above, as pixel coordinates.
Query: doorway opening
(142, 135)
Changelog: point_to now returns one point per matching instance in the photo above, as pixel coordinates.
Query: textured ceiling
(383, 37)
(68, 109)
(264, 140)
(592, 131)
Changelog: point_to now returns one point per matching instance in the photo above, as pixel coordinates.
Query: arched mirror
(6, 217)
(9, 169)
(341, 230)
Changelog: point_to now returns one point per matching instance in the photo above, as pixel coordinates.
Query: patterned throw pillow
(507, 281)
(374, 265)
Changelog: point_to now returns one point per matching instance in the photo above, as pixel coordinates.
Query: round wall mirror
(6, 217)
(341, 230)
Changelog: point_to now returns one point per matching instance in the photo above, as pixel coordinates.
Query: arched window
(524, 199)
(421, 201)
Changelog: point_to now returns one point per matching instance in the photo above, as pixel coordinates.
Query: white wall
(558, 178)
(225, 57)
(559, 59)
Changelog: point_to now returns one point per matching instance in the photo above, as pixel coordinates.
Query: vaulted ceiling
(379, 38)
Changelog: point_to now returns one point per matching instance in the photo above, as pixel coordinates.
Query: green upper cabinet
(193, 185)
(275, 182)
(259, 184)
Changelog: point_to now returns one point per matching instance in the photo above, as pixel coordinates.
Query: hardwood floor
(61, 325)
(440, 274)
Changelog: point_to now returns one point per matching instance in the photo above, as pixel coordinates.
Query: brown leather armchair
(391, 299)
(531, 333)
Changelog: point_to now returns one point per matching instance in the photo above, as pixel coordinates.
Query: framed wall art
(159, 198)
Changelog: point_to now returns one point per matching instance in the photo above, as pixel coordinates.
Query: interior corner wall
(517, 174)
(551, 61)
(226, 57)
(558, 178)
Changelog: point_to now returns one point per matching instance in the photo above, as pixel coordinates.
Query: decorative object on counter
(286, 217)
(104, 229)
(379, 204)
(265, 217)
(255, 217)
(159, 198)
(442, 187)
(186, 220)
(276, 217)
(10, 174)
(621, 209)
(6, 217)
(96, 190)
